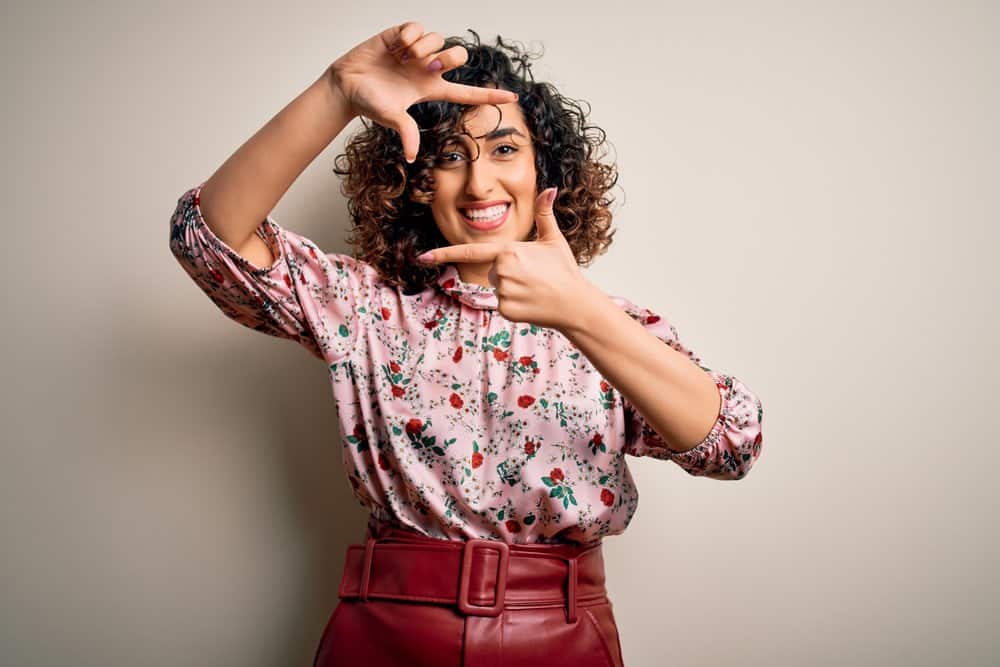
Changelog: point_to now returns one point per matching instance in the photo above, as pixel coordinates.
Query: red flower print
(448, 284)
(312, 251)
(386, 313)
(605, 387)
(393, 366)
(456, 401)
(499, 354)
(598, 439)
(557, 475)
(652, 319)
(513, 526)
(438, 314)
(477, 459)
(288, 279)
(457, 357)
(529, 447)
(359, 431)
(216, 276)
(414, 426)
(525, 361)
(383, 462)
(607, 497)
(397, 391)
(525, 401)
(536, 370)
(430, 324)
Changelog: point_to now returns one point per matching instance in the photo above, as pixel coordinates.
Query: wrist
(589, 301)
(339, 103)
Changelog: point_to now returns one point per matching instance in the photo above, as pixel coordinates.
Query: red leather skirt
(407, 599)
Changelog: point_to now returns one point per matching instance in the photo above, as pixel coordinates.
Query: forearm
(245, 189)
(676, 397)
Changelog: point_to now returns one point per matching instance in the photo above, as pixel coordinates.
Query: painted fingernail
(435, 65)
(426, 257)
(552, 196)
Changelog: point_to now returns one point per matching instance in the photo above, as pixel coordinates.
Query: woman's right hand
(386, 74)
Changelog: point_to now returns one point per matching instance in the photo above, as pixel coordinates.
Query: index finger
(464, 252)
(475, 95)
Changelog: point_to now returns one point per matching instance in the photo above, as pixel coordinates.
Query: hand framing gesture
(536, 281)
(397, 68)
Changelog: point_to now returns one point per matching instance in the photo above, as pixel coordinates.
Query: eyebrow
(501, 132)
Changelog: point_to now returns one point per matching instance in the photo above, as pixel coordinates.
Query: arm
(247, 186)
(666, 381)
(679, 400)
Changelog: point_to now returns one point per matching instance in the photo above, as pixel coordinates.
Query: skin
(478, 169)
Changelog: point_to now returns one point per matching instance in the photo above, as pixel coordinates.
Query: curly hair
(383, 189)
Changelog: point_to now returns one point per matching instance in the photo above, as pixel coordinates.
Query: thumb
(409, 134)
(545, 219)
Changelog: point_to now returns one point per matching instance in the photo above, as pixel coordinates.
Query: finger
(464, 252)
(474, 95)
(400, 36)
(424, 46)
(409, 134)
(452, 57)
(545, 219)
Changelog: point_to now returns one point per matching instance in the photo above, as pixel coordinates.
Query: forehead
(480, 120)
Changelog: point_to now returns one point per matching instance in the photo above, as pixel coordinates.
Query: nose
(480, 179)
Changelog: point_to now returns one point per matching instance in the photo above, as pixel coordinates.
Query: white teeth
(491, 213)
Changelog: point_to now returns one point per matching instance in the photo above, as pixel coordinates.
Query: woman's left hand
(536, 281)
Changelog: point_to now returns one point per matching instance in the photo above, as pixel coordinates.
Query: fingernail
(425, 257)
(552, 196)
(435, 65)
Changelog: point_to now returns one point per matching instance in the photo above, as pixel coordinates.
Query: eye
(513, 148)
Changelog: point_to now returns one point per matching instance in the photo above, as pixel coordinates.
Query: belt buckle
(501, 585)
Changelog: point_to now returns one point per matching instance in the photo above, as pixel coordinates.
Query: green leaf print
(556, 492)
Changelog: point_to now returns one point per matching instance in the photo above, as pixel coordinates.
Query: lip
(487, 226)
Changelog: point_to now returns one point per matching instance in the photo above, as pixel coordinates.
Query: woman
(487, 392)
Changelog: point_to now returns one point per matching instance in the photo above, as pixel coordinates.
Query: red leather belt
(478, 577)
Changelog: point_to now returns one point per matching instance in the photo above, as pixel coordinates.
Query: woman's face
(493, 164)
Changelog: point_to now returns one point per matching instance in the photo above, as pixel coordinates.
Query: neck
(474, 273)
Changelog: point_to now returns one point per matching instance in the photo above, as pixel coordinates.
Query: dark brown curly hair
(383, 189)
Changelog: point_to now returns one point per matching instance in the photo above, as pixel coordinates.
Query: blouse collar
(471, 294)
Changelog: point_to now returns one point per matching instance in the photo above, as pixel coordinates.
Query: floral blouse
(455, 421)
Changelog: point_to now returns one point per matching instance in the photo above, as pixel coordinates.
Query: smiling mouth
(486, 219)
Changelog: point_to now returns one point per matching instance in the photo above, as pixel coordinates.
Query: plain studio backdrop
(808, 192)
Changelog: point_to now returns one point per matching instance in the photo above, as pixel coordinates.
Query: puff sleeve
(734, 443)
(305, 296)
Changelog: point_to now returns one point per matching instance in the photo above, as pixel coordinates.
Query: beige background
(810, 196)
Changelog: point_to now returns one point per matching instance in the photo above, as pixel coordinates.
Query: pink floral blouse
(455, 421)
